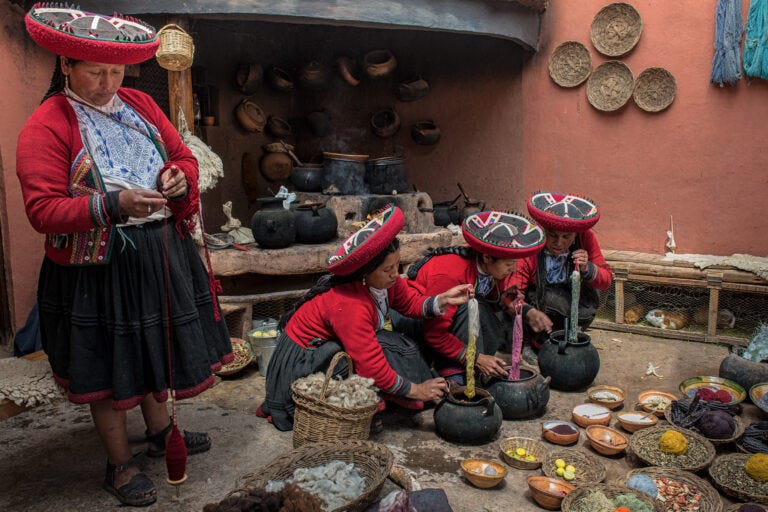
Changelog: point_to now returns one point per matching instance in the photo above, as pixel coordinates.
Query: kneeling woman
(496, 240)
(349, 309)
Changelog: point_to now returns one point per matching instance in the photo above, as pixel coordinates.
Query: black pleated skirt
(105, 327)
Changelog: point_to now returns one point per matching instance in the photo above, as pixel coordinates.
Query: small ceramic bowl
(548, 492)
(483, 473)
(585, 415)
(655, 401)
(632, 421)
(756, 393)
(609, 396)
(606, 440)
(690, 388)
(560, 432)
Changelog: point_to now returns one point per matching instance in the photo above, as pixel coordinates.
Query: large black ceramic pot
(468, 421)
(344, 174)
(742, 371)
(572, 365)
(523, 398)
(307, 177)
(386, 175)
(315, 223)
(273, 226)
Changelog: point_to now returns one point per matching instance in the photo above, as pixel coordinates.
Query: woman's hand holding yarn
(173, 182)
(140, 203)
(456, 296)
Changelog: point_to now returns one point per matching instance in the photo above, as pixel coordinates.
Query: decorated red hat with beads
(563, 212)
(502, 234)
(91, 37)
(365, 243)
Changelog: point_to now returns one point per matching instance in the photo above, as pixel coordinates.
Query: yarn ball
(750, 508)
(643, 483)
(757, 467)
(673, 442)
(717, 424)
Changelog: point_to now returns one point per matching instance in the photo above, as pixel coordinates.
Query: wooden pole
(180, 90)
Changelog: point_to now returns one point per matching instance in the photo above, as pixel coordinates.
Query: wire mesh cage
(675, 308)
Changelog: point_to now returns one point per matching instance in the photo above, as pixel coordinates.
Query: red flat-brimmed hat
(502, 234)
(91, 37)
(368, 241)
(563, 212)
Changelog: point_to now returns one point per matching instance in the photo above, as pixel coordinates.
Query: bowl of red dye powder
(560, 432)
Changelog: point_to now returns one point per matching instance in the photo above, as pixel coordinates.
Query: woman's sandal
(196, 442)
(138, 492)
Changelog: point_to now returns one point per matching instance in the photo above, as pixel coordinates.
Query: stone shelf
(310, 259)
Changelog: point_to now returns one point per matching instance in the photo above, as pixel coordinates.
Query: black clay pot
(273, 226)
(386, 175)
(314, 76)
(315, 224)
(742, 371)
(278, 127)
(425, 133)
(344, 174)
(446, 213)
(412, 90)
(280, 80)
(319, 123)
(571, 365)
(248, 77)
(385, 123)
(468, 421)
(523, 398)
(307, 177)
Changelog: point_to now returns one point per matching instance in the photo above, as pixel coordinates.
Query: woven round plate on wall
(616, 29)
(610, 86)
(570, 64)
(655, 89)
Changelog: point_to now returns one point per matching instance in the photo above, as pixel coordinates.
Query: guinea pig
(634, 314)
(725, 318)
(664, 319)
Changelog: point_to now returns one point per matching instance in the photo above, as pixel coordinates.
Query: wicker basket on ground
(710, 498)
(737, 432)
(531, 447)
(589, 469)
(735, 507)
(317, 420)
(729, 476)
(573, 499)
(644, 444)
(373, 460)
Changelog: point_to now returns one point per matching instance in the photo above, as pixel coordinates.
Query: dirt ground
(52, 459)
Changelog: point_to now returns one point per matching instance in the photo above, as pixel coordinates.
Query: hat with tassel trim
(502, 234)
(365, 243)
(563, 212)
(82, 35)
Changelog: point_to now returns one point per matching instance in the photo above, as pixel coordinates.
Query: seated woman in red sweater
(496, 241)
(545, 277)
(351, 309)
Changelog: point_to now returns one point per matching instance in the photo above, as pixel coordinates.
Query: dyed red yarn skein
(176, 457)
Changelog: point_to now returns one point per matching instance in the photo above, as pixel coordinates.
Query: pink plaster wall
(703, 160)
(26, 71)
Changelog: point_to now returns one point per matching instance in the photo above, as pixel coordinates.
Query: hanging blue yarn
(726, 66)
(756, 42)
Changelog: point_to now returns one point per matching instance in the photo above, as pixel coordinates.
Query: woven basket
(710, 498)
(644, 444)
(655, 89)
(531, 446)
(735, 507)
(317, 420)
(737, 432)
(570, 64)
(373, 460)
(589, 469)
(731, 466)
(176, 50)
(610, 85)
(616, 29)
(243, 358)
(572, 500)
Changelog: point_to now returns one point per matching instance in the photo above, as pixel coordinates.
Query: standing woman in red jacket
(107, 179)
(496, 240)
(353, 309)
(545, 277)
